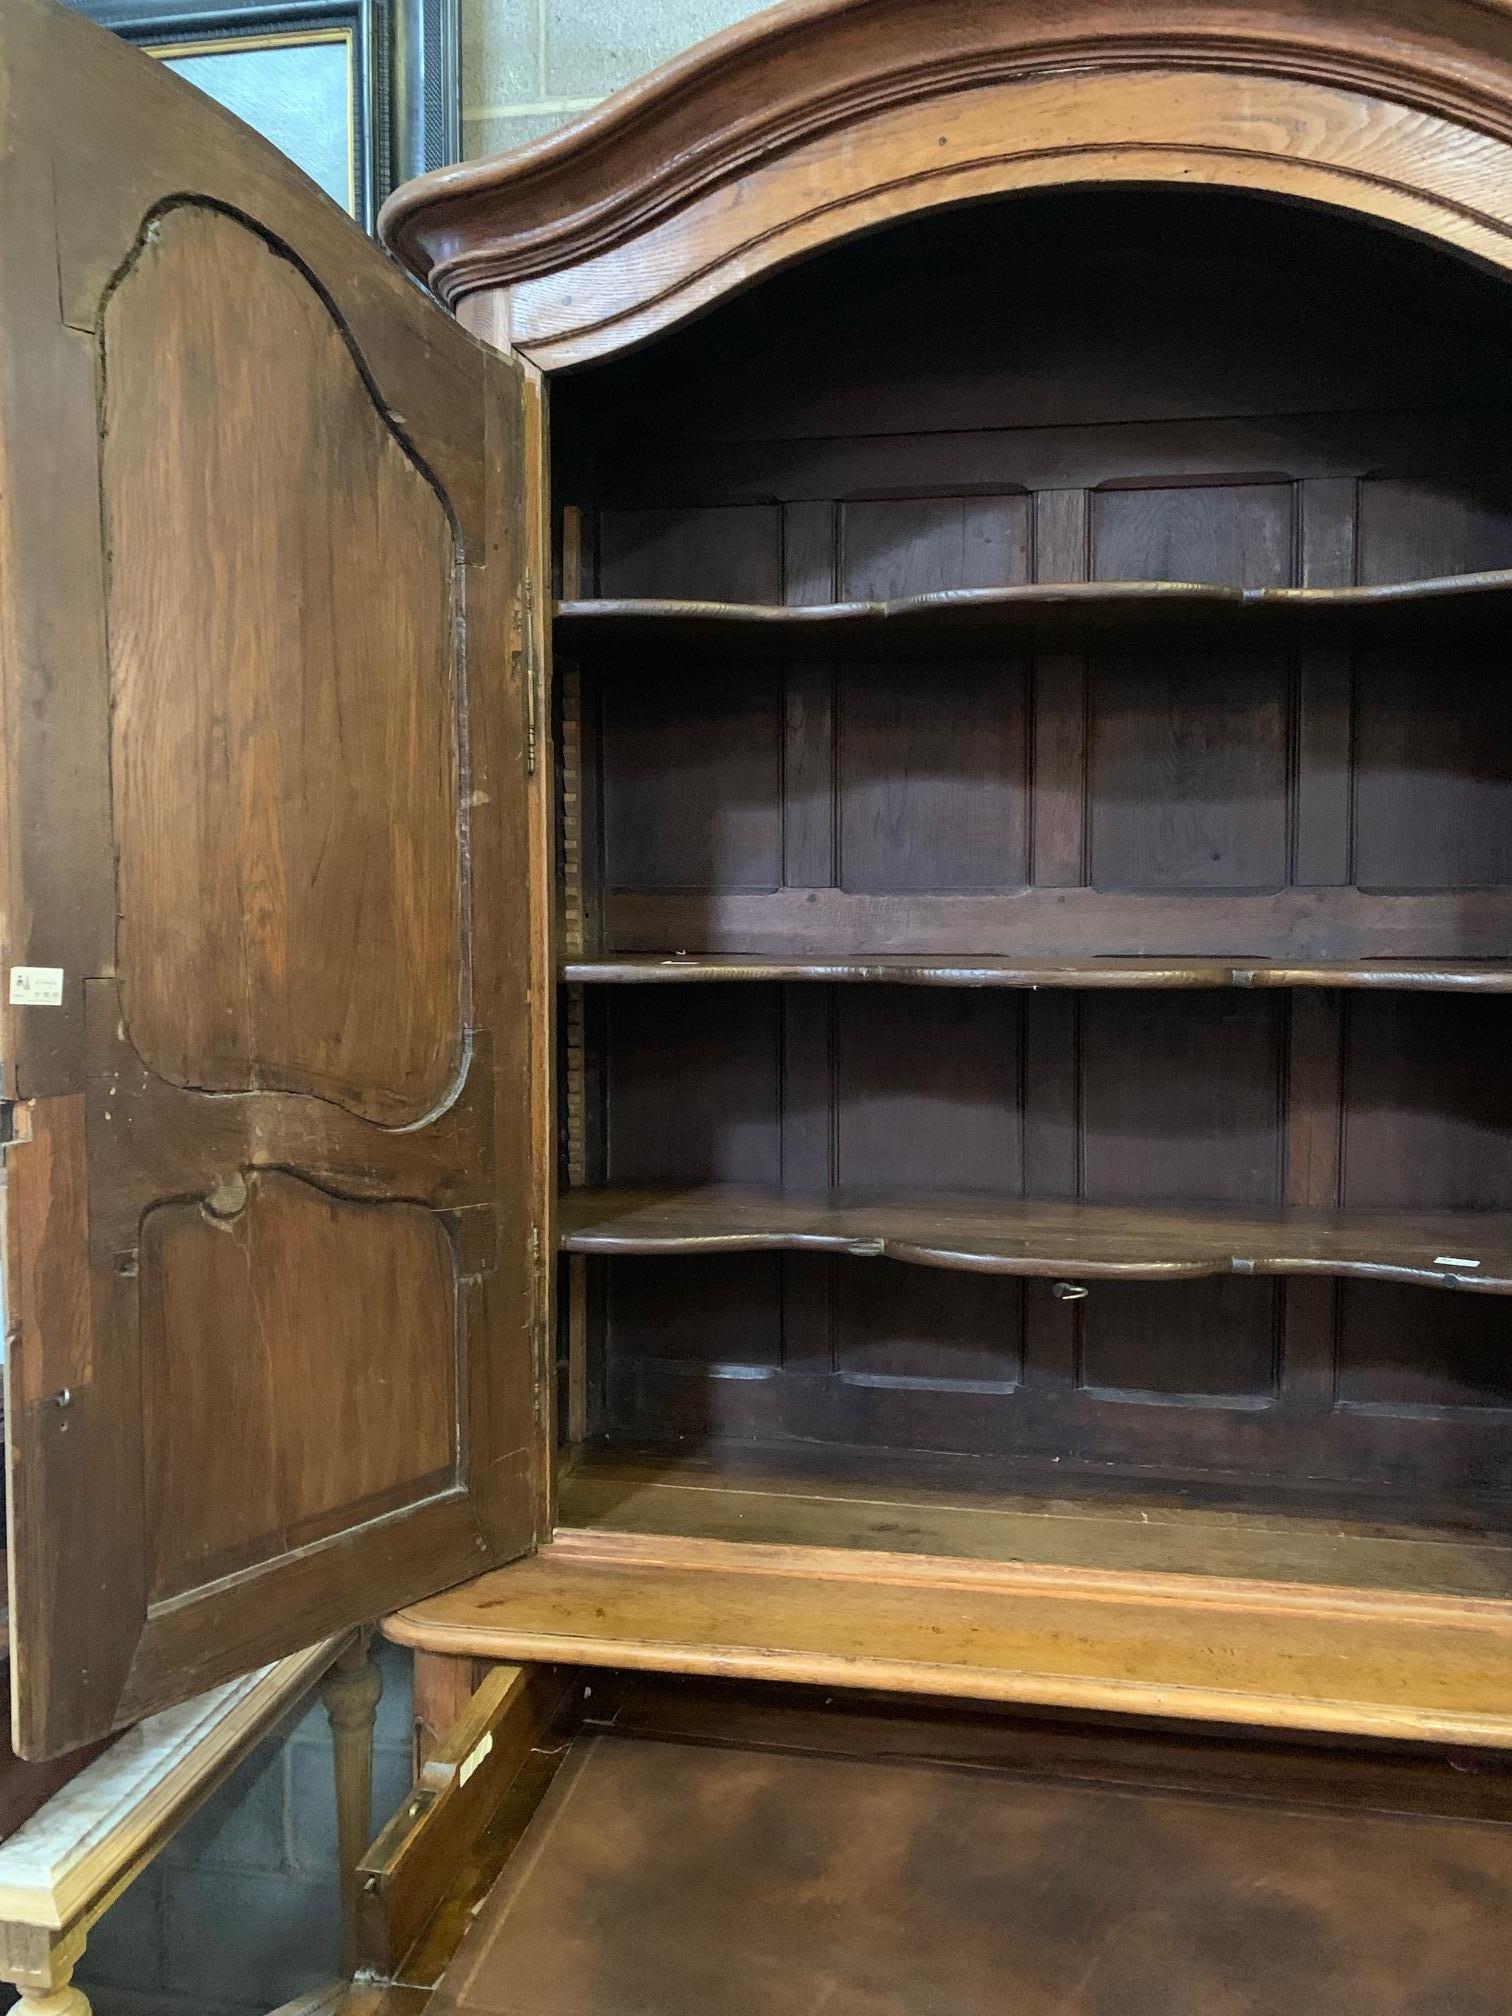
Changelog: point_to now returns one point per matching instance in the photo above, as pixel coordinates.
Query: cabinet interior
(1184, 925)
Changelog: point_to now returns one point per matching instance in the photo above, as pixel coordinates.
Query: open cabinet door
(267, 933)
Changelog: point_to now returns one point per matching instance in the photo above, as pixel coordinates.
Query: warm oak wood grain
(715, 165)
(1075, 616)
(1353, 149)
(1084, 1242)
(272, 822)
(1174, 1645)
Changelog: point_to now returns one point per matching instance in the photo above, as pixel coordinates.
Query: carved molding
(772, 89)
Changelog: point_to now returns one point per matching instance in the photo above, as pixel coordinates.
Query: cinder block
(243, 1825)
(125, 1948)
(501, 53)
(396, 1711)
(497, 136)
(245, 1937)
(591, 49)
(312, 1800)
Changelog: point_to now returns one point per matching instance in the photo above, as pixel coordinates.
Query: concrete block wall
(529, 65)
(241, 1912)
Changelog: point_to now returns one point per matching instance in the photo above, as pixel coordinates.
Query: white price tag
(473, 1759)
(36, 987)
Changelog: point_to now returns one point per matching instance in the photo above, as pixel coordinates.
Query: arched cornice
(821, 117)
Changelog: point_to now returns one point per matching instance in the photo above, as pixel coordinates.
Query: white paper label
(36, 987)
(473, 1759)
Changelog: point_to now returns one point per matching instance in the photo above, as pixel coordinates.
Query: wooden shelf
(1090, 615)
(1033, 1511)
(1450, 976)
(1352, 1661)
(1080, 1242)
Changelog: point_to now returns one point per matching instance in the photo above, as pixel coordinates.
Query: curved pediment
(820, 118)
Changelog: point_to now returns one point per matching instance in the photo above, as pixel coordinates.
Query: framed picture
(361, 94)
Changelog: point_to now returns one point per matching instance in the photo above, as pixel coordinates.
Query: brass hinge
(530, 671)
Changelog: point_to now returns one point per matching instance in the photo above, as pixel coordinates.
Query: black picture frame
(406, 69)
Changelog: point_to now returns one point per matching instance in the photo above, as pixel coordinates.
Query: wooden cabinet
(790, 956)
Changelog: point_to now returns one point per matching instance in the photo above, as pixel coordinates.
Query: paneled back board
(269, 1227)
(1115, 387)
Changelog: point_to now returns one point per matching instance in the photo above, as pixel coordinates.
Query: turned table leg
(59, 2001)
(351, 1692)
(39, 1964)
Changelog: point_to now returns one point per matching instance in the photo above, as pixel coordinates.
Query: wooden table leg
(60, 2001)
(39, 1964)
(351, 1691)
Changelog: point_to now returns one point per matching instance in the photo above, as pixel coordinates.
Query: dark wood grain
(1078, 1241)
(273, 479)
(226, 1333)
(289, 850)
(1002, 970)
(1286, 927)
(1095, 970)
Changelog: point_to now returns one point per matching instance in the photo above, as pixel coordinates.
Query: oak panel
(1181, 1097)
(248, 1367)
(1239, 535)
(1427, 1104)
(692, 770)
(285, 758)
(1433, 778)
(912, 814)
(1396, 1352)
(1188, 773)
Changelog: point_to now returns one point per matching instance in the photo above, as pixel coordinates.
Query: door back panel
(270, 1253)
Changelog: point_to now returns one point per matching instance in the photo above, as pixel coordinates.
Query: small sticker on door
(36, 987)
